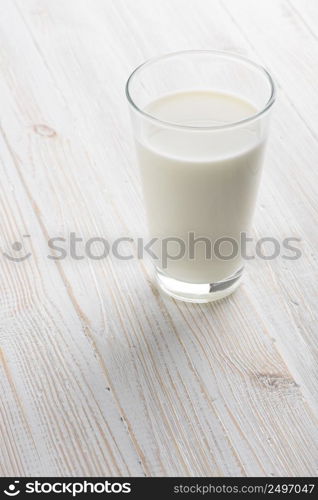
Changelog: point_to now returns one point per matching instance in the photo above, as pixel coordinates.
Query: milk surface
(200, 180)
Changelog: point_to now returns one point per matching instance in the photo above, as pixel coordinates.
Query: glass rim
(231, 55)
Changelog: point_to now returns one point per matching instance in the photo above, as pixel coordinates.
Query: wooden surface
(100, 373)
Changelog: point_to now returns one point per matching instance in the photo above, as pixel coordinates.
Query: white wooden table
(100, 373)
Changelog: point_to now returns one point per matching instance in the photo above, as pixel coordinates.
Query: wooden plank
(278, 35)
(53, 420)
(307, 16)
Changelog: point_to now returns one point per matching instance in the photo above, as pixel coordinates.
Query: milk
(200, 180)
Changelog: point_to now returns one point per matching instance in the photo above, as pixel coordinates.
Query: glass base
(200, 293)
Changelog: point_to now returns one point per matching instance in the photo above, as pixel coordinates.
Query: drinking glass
(200, 122)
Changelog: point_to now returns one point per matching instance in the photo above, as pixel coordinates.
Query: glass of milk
(200, 121)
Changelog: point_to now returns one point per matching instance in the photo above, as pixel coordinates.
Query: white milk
(200, 180)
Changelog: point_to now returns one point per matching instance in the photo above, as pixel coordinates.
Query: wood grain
(100, 373)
